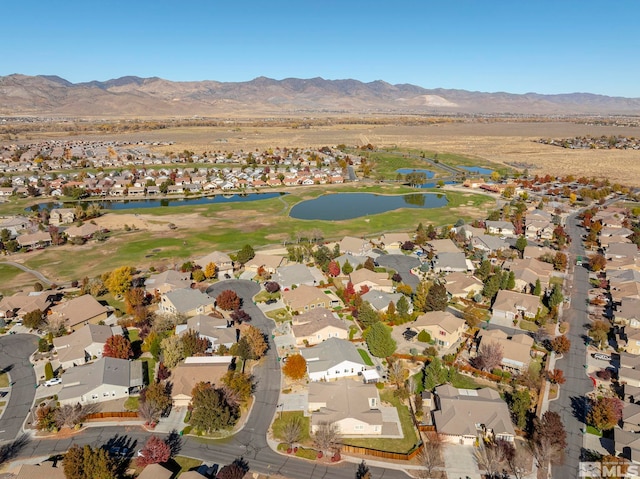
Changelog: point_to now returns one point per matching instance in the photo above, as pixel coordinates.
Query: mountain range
(131, 96)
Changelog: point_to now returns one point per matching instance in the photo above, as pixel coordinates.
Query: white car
(53, 382)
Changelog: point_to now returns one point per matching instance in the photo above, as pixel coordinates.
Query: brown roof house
(22, 303)
(516, 350)
(186, 301)
(628, 313)
(269, 262)
(167, 281)
(218, 331)
(79, 311)
(355, 246)
(365, 277)
(30, 471)
(353, 406)
(318, 325)
(305, 298)
(84, 344)
(443, 327)
(155, 471)
(509, 306)
(461, 285)
(528, 271)
(223, 262)
(193, 371)
(463, 415)
(32, 240)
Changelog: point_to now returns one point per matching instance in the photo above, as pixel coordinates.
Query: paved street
(570, 404)
(15, 350)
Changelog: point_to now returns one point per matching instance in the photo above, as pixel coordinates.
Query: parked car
(53, 382)
(271, 301)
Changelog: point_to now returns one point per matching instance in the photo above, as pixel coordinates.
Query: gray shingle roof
(330, 353)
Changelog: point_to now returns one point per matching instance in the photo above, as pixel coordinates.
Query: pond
(346, 206)
(406, 171)
(135, 204)
(477, 169)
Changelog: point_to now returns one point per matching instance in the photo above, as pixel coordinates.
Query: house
(34, 240)
(332, 359)
(217, 331)
(186, 301)
(269, 262)
(527, 271)
(467, 231)
(167, 281)
(47, 468)
(22, 303)
(84, 344)
(539, 230)
(516, 350)
(443, 246)
(464, 415)
(353, 406)
(627, 444)
(461, 285)
(536, 252)
(86, 231)
(631, 343)
(392, 242)
(380, 300)
(298, 274)
(364, 277)
(443, 327)
(631, 417)
(193, 371)
(155, 471)
(503, 228)
(628, 312)
(305, 298)
(510, 305)
(80, 311)
(489, 244)
(621, 250)
(223, 262)
(355, 246)
(103, 380)
(318, 325)
(451, 262)
(60, 216)
(629, 370)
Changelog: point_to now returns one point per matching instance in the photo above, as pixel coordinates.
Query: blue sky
(516, 46)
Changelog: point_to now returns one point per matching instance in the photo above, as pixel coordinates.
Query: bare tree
(489, 356)
(70, 416)
(489, 457)
(398, 374)
(55, 324)
(148, 411)
(519, 462)
(292, 430)
(431, 456)
(327, 436)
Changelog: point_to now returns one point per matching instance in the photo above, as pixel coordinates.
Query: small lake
(346, 206)
(159, 203)
(477, 169)
(406, 171)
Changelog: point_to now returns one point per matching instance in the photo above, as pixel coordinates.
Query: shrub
(424, 337)
(306, 453)
(48, 371)
(380, 386)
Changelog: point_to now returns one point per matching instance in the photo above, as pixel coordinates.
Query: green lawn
(281, 420)
(594, 431)
(4, 380)
(461, 381)
(263, 296)
(365, 357)
(131, 404)
(528, 325)
(403, 445)
(134, 335)
(279, 315)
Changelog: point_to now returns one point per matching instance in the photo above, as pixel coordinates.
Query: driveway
(402, 264)
(14, 359)
(459, 461)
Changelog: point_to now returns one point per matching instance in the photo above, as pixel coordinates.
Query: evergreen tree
(511, 280)
(491, 286)
(484, 270)
(537, 289)
(347, 269)
(420, 296)
(379, 340)
(437, 298)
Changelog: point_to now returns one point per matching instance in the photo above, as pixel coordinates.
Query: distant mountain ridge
(134, 96)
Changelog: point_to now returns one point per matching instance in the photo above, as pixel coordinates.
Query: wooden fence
(398, 456)
(108, 415)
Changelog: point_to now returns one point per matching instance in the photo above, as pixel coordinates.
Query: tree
(420, 296)
(46, 419)
(363, 471)
(473, 316)
(398, 374)
(560, 345)
(560, 261)
(157, 394)
(326, 437)
(484, 270)
(519, 402)
(193, 344)
(369, 264)
(119, 280)
(210, 270)
(521, 244)
(89, 463)
(556, 376)
(489, 456)
(48, 371)
(236, 470)
(430, 457)
(548, 439)
(402, 307)
(295, 367)
(537, 289)
(135, 300)
(245, 255)
(117, 346)
(154, 451)
(210, 410)
(69, 415)
(292, 430)
(333, 269)
(172, 351)
(271, 287)
(33, 319)
(599, 332)
(437, 298)
(256, 341)
(367, 315)
(149, 412)
(198, 275)
(605, 412)
(492, 286)
(511, 280)
(347, 269)
(228, 300)
(597, 262)
(555, 298)
(240, 316)
(239, 385)
(379, 340)
(489, 356)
